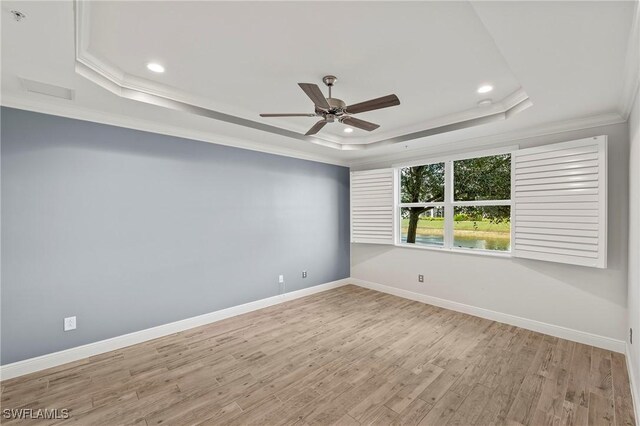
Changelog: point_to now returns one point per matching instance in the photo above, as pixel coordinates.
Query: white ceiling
(243, 58)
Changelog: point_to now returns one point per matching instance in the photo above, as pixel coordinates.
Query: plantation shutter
(372, 212)
(561, 202)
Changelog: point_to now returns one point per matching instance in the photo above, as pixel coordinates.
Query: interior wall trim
(69, 110)
(55, 359)
(31, 365)
(72, 111)
(632, 381)
(529, 324)
(490, 141)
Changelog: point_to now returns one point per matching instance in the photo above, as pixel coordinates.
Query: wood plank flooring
(348, 356)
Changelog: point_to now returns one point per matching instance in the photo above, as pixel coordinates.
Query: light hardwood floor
(347, 356)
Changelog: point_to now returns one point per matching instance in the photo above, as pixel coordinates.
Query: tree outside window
(420, 184)
(481, 206)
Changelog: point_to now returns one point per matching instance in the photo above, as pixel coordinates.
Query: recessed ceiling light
(155, 67)
(485, 102)
(485, 88)
(348, 130)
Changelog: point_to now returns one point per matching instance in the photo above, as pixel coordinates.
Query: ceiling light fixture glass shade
(155, 67)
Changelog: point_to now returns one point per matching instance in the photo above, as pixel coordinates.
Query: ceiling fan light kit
(333, 109)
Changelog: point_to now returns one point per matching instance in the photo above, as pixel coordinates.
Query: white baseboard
(43, 362)
(529, 324)
(633, 383)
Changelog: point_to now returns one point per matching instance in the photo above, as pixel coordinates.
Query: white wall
(634, 243)
(580, 298)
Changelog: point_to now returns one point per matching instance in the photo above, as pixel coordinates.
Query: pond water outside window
(477, 207)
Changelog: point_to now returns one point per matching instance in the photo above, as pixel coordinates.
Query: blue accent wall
(128, 230)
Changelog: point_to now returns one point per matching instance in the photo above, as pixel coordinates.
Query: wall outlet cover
(69, 323)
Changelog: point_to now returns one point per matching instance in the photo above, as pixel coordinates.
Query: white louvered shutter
(372, 212)
(560, 204)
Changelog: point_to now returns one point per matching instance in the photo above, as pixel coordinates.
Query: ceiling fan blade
(360, 124)
(315, 94)
(287, 115)
(378, 103)
(316, 128)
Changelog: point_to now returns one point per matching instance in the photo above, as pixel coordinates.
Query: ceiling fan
(334, 109)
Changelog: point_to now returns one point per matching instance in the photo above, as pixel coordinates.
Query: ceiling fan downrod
(329, 80)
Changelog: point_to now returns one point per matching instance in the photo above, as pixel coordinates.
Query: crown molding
(631, 82)
(499, 110)
(72, 111)
(69, 110)
(147, 91)
(490, 141)
(517, 106)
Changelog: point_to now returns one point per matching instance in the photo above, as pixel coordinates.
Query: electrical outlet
(281, 285)
(69, 323)
(280, 279)
(304, 274)
(420, 278)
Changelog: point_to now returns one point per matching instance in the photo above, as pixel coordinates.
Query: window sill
(473, 252)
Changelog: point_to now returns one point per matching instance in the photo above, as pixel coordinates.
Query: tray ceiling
(576, 61)
(234, 60)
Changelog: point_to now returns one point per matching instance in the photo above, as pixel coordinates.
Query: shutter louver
(372, 212)
(560, 199)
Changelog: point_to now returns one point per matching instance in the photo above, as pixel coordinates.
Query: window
(426, 224)
(485, 228)
(422, 204)
(557, 213)
(485, 225)
(463, 203)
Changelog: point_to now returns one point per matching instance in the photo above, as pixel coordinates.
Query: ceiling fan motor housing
(338, 107)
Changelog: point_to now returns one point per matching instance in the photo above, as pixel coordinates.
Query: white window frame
(449, 204)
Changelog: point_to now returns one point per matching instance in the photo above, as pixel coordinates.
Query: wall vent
(47, 89)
